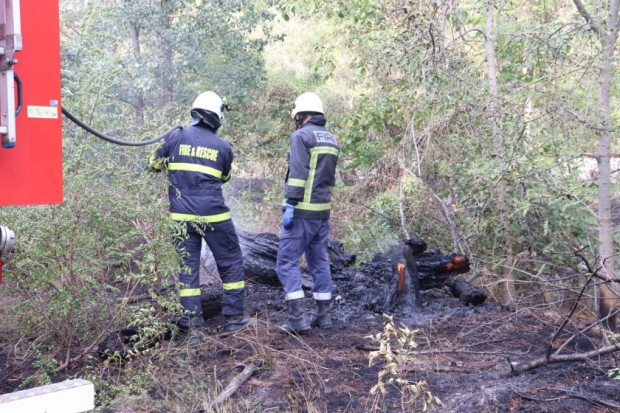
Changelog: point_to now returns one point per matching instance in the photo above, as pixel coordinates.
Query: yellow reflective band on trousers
(194, 167)
(189, 292)
(197, 218)
(233, 286)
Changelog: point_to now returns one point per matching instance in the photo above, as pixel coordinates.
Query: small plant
(396, 362)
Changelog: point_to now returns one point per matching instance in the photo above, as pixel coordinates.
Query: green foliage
(76, 261)
(366, 130)
(425, 107)
(159, 54)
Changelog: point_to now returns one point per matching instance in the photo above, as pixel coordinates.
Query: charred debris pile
(391, 282)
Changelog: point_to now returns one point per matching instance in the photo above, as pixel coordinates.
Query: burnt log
(408, 268)
(211, 299)
(339, 259)
(260, 252)
(433, 267)
(376, 284)
(466, 292)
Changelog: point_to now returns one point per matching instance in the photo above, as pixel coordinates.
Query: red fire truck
(30, 107)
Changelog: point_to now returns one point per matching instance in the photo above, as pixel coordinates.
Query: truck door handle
(18, 82)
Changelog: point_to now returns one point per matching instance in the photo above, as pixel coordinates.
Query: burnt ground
(464, 356)
(464, 353)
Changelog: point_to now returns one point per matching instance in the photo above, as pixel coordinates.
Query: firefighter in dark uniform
(198, 163)
(313, 154)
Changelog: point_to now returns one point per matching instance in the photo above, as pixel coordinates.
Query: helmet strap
(299, 120)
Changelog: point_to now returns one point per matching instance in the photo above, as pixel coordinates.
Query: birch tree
(607, 34)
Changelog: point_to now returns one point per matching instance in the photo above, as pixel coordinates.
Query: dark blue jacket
(312, 158)
(198, 163)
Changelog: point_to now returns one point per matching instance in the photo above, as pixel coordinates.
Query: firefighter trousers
(222, 240)
(309, 236)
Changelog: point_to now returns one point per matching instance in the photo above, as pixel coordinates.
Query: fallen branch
(450, 369)
(234, 385)
(517, 368)
(589, 398)
(365, 347)
(570, 394)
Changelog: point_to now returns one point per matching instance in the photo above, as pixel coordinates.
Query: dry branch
(596, 27)
(234, 385)
(517, 368)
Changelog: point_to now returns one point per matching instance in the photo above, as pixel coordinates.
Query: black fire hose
(114, 140)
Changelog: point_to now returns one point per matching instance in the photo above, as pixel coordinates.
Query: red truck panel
(31, 172)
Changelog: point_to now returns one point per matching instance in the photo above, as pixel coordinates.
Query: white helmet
(211, 102)
(307, 102)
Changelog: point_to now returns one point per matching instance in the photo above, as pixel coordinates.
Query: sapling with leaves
(397, 361)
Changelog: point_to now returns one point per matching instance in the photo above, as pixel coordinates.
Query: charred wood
(260, 252)
(433, 267)
(466, 292)
(518, 368)
(211, 300)
(376, 284)
(406, 283)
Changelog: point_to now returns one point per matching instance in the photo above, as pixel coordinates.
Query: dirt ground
(464, 356)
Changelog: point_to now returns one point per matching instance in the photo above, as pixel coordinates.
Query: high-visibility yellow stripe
(189, 292)
(314, 156)
(226, 178)
(197, 218)
(194, 167)
(312, 207)
(296, 182)
(325, 150)
(233, 286)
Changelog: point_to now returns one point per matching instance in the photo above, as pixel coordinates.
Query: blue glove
(287, 219)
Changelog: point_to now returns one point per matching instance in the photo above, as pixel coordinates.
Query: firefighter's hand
(287, 219)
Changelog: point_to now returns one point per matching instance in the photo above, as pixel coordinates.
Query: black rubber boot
(296, 322)
(321, 317)
(235, 323)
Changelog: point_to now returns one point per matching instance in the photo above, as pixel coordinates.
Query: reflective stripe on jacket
(198, 163)
(312, 158)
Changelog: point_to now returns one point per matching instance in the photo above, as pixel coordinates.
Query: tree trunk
(508, 295)
(139, 101)
(165, 68)
(608, 36)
